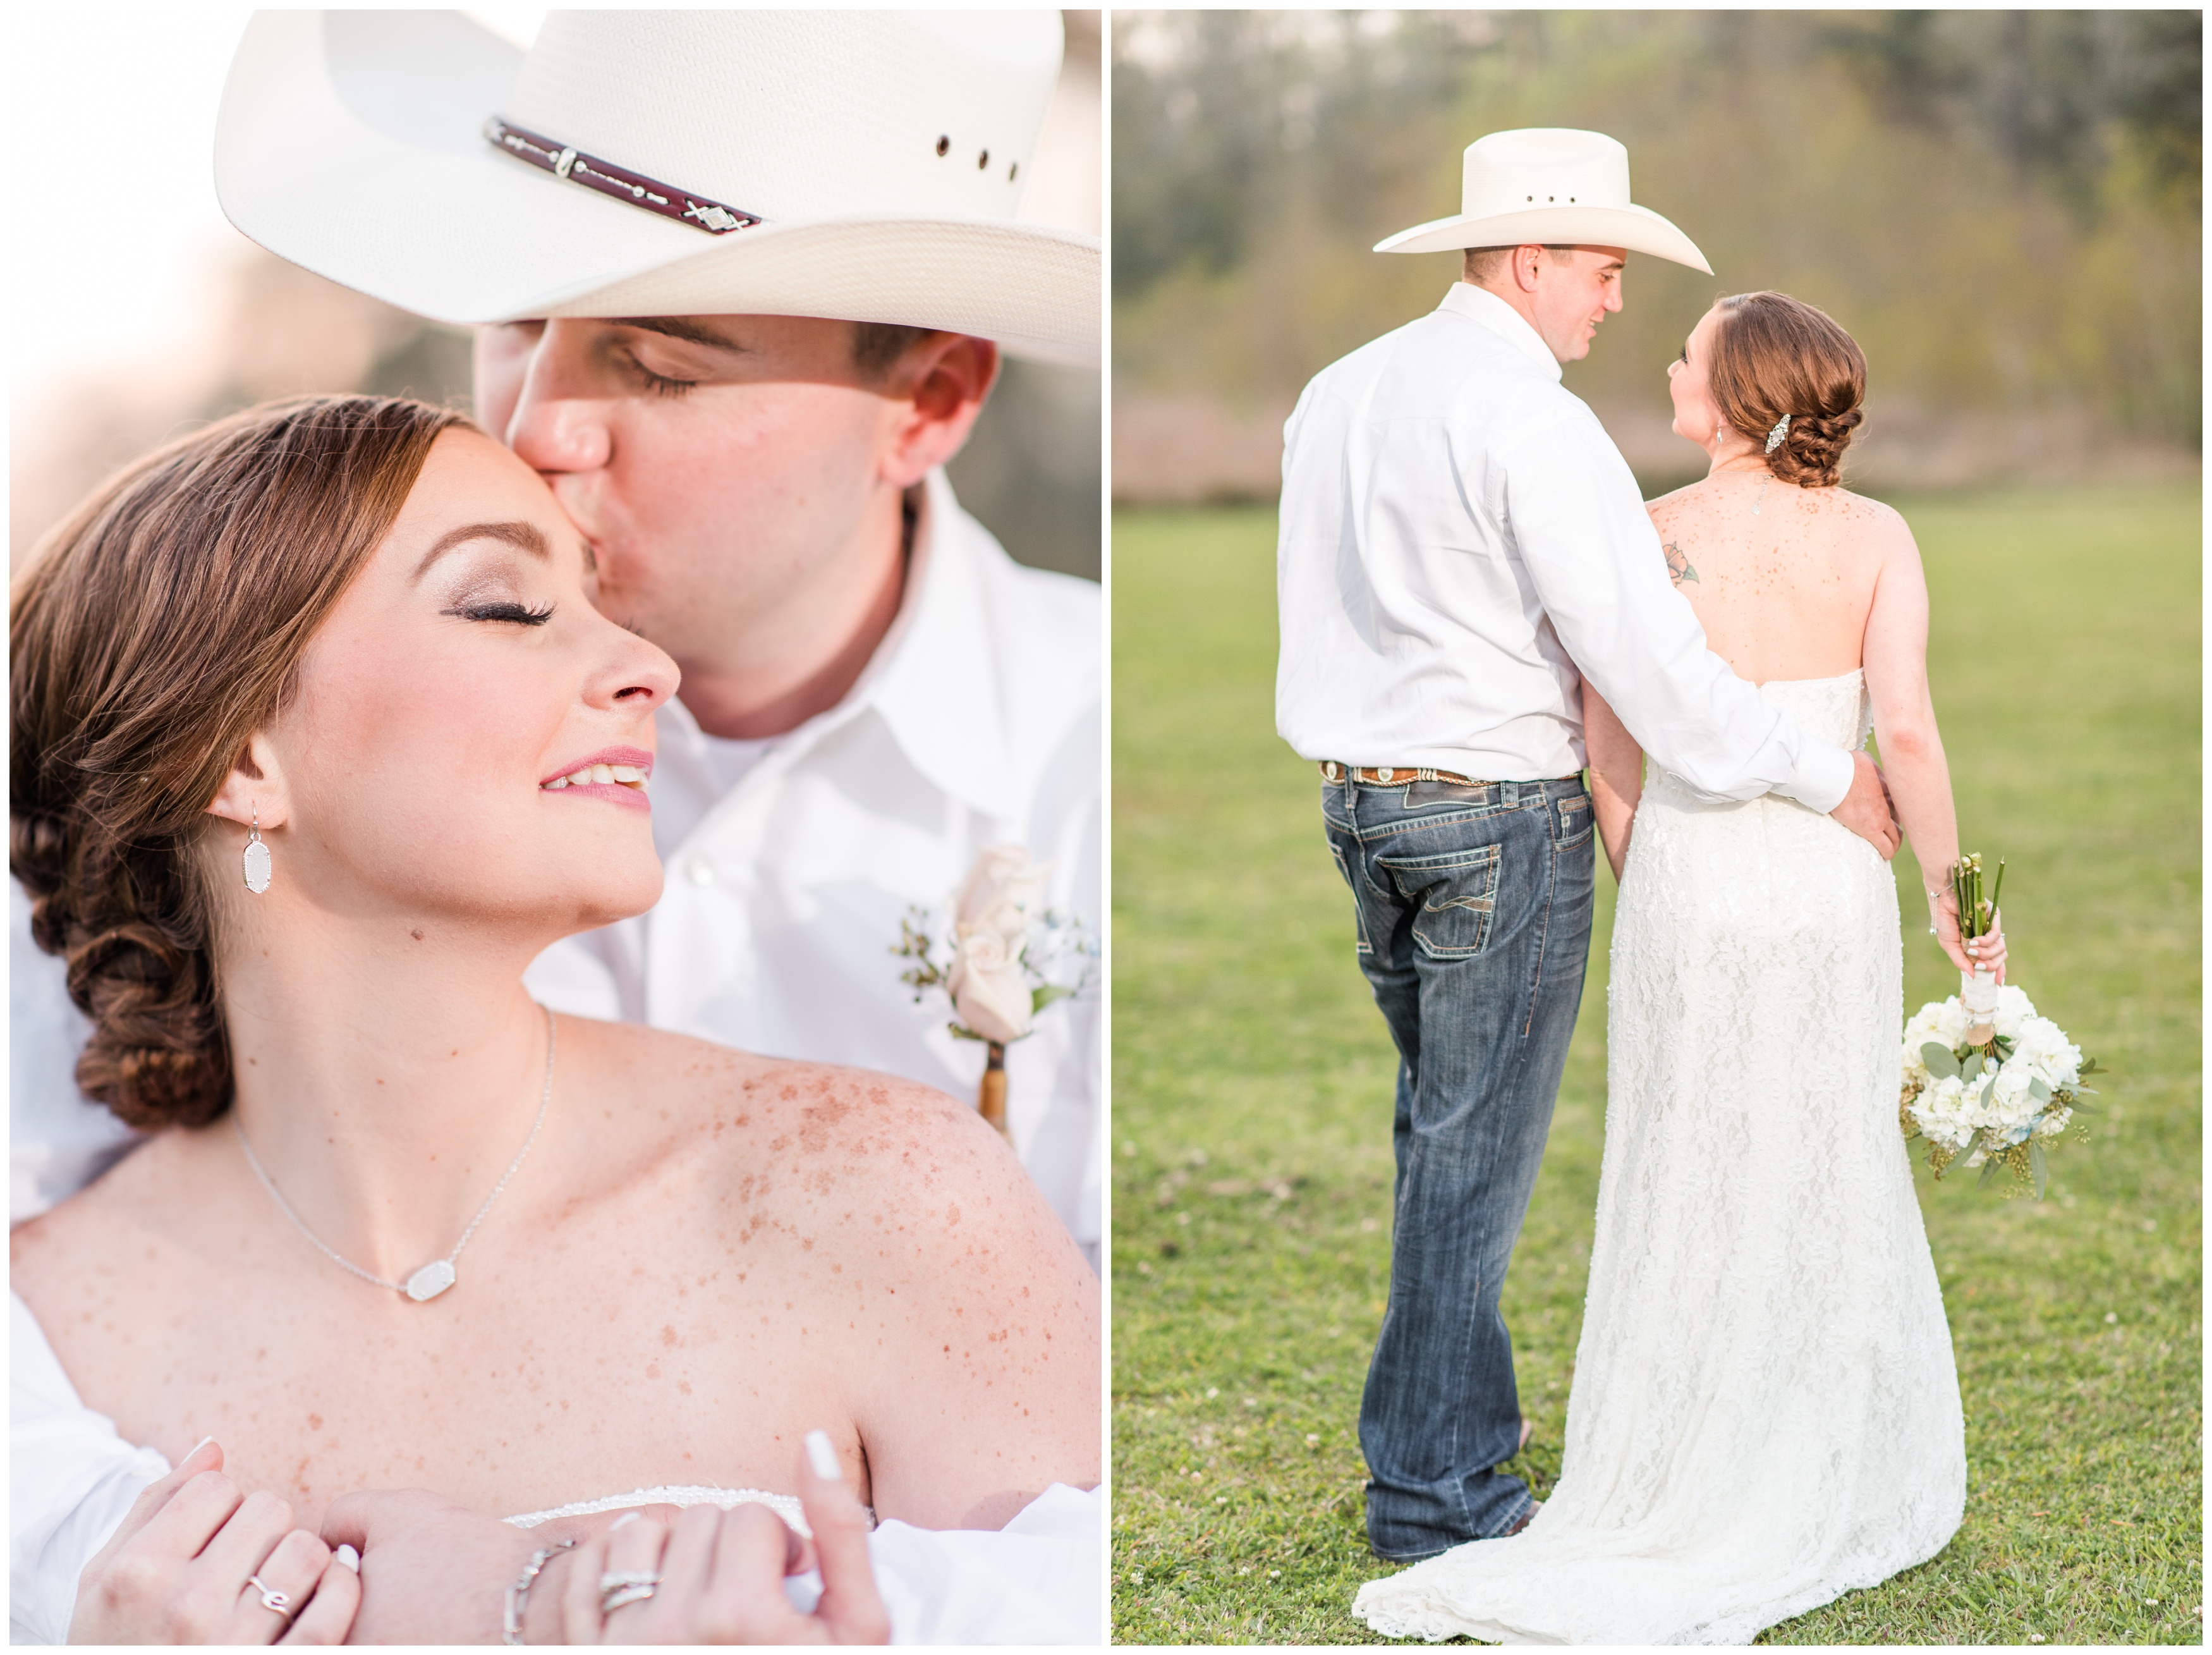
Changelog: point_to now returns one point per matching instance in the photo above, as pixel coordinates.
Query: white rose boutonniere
(991, 994)
(1009, 958)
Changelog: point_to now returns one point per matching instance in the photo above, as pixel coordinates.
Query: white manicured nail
(349, 1557)
(823, 1456)
(627, 1517)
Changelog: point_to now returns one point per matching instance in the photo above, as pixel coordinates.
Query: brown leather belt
(1388, 776)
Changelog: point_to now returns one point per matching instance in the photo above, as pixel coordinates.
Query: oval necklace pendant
(430, 1281)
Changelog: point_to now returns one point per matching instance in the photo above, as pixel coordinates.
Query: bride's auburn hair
(151, 634)
(1772, 355)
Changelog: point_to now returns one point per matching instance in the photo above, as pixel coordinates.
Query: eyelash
(659, 384)
(509, 612)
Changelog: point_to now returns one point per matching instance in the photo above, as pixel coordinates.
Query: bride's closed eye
(500, 610)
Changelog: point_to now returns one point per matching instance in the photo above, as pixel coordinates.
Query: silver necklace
(436, 1276)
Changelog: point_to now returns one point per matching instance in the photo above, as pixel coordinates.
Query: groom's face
(1571, 295)
(731, 473)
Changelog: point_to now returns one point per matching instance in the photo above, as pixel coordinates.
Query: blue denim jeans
(1475, 917)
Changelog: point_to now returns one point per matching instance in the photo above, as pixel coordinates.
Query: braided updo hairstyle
(1772, 355)
(151, 635)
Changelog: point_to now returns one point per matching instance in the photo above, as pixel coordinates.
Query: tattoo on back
(1678, 565)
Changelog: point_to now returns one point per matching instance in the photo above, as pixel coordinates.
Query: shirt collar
(935, 680)
(1480, 305)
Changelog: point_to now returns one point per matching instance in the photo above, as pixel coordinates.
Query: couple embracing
(436, 1302)
(1475, 606)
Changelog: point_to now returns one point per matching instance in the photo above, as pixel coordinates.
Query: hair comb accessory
(1781, 430)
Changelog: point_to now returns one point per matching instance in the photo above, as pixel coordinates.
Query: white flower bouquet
(1994, 1103)
(1009, 957)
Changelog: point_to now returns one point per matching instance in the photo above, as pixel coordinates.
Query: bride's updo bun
(1773, 355)
(151, 634)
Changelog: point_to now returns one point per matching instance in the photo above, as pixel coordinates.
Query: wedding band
(621, 1587)
(276, 1601)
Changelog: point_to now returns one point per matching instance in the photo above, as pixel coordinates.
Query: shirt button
(701, 871)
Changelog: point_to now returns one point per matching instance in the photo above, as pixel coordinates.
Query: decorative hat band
(715, 218)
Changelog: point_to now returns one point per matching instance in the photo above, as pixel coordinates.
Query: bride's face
(1695, 414)
(468, 737)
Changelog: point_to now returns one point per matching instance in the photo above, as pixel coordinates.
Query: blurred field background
(2003, 207)
(141, 313)
(1253, 1077)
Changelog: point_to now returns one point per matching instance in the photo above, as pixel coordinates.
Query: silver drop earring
(257, 867)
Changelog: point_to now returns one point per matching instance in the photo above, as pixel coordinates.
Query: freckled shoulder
(1876, 511)
(139, 1211)
(846, 1162)
(1668, 507)
(1881, 528)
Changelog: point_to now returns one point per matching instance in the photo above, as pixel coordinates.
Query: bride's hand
(1988, 951)
(175, 1571)
(720, 1574)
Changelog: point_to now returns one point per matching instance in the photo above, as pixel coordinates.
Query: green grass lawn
(1252, 1085)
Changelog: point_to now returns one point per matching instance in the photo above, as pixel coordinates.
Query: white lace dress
(1765, 1412)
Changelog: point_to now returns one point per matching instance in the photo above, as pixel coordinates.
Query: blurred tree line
(2004, 208)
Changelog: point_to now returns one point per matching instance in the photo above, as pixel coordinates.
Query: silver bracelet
(517, 1595)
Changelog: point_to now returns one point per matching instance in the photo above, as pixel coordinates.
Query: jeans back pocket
(1457, 891)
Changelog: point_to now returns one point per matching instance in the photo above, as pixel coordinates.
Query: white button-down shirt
(1461, 543)
(977, 722)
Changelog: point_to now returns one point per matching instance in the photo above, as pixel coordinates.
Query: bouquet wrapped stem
(1977, 989)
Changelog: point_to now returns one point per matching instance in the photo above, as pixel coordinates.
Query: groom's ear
(255, 788)
(1523, 267)
(934, 393)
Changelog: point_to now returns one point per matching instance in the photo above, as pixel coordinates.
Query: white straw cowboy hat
(864, 166)
(1552, 186)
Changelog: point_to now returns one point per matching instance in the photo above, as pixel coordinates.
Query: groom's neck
(784, 664)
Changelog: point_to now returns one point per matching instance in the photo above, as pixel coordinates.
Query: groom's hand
(431, 1572)
(435, 1572)
(1866, 810)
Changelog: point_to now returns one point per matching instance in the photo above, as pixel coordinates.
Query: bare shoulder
(1670, 507)
(845, 1162)
(855, 1119)
(138, 1211)
(1882, 527)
